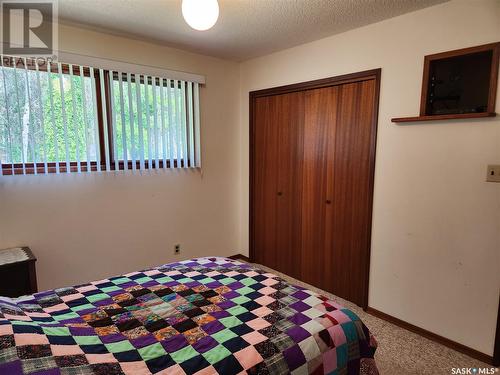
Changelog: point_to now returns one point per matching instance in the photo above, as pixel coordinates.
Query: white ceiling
(245, 29)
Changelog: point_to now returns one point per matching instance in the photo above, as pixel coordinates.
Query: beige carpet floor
(401, 352)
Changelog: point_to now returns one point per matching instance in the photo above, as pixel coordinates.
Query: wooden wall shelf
(444, 117)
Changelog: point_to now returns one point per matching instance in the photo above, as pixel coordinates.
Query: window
(61, 118)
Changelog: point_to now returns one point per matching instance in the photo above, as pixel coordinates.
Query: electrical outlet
(493, 173)
(177, 249)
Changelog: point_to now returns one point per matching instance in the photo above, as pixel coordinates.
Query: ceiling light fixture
(200, 14)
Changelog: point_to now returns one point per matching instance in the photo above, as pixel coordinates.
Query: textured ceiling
(245, 29)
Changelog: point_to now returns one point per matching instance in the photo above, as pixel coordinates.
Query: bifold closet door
(350, 190)
(321, 111)
(336, 204)
(277, 163)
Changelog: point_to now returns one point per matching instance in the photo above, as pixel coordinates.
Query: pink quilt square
(86, 288)
(55, 308)
(337, 334)
(100, 358)
(6, 329)
(30, 339)
(264, 300)
(267, 290)
(60, 350)
(258, 323)
(339, 316)
(136, 368)
(253, 338)
(269, 282)
(210, 370)
(330, 360)
(24, 318)
(248, 357)
(262, 311)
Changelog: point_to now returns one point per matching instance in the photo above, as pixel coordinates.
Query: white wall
(436, 223)
(84, 227)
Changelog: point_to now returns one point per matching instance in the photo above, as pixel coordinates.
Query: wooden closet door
(319, 132)
(350, 190)
(277, 172)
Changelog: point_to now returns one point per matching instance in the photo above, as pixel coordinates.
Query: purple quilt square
(297, 333)
(14, 368)
(226, 304)
(234, 286)
(115, 292)
(149, 284)
(82, 331)
(220, 314)
(205, 344)
(171, 283)
(104, 302)
(192, 284)
(72, 320)
(128, 284)
(300, 306)
(143, 341)
(174, 343)
(299, 319)
(294, 357)
(115, 337)
(213, 285)
(301, 295)
(230, 295)
(213, 327)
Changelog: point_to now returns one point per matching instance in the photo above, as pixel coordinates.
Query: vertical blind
(61, 118)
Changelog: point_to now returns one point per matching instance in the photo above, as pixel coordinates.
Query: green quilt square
(185, 280)
(206, 280)
(240, 300)
(164, 280)
(87, 340)
(121, 280)
(236, 310)
(216, 354)
(230, 322)
(110, 289)
(82, 307)
(56, 331)
(70, 315)
(118, 347)
(97, 297)
(227, 281)
(245, 290)
(248, 281)
(143, 280)
(152, 351)
(184, 354)
(224, 335)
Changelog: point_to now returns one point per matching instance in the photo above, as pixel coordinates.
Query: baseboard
(432, 336)
(240, 257)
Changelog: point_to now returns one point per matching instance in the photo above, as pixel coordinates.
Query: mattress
(204, 316)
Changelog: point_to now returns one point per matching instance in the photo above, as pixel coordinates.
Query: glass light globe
(200, 14)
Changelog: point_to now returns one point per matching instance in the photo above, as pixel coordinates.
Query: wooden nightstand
(17, 272)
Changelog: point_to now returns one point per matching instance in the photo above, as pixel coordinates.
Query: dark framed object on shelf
(17, 272)
(459, 84)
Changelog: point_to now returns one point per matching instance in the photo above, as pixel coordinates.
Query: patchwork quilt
(200, 316)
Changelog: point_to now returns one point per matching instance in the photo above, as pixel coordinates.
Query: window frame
(52, 167)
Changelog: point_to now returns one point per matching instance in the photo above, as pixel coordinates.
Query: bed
(204, 315)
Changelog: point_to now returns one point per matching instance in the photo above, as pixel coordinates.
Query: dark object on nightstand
(17, 272)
